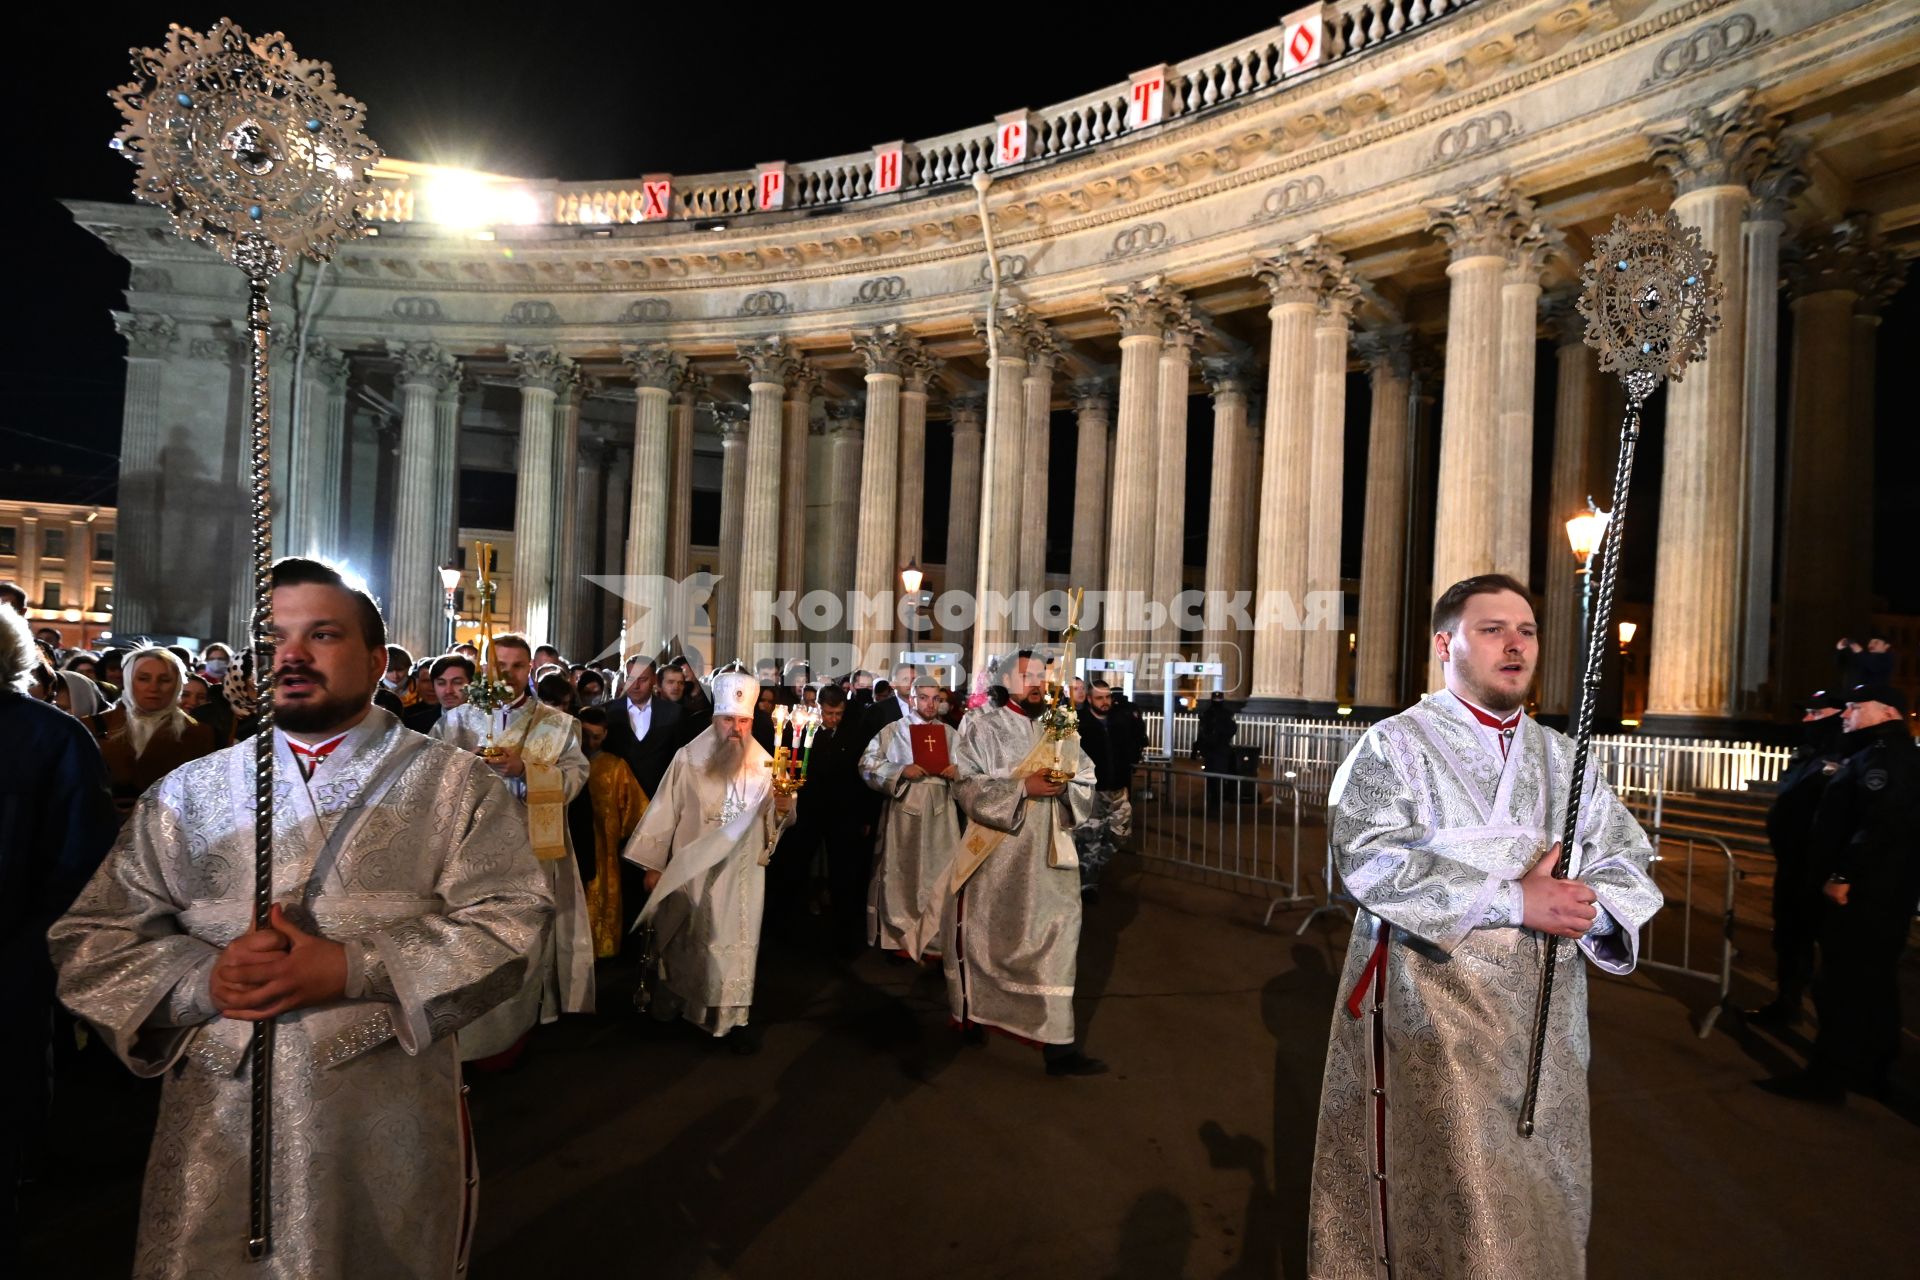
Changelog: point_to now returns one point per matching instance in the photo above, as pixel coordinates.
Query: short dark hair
(398, 659)
(1453, 601)
(513, 640)
(298, 571)
(832, 696)
(448, 661)
(554, 687)
(549, 648)
(1098, 684)
(592, 715)
(640, 659)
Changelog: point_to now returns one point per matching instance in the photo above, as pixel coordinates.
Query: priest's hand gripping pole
(1650, 299)
(255, 154)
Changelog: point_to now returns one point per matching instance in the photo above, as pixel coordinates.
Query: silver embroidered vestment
(1430, 828)
(413, 856)
(1014, 930)
(919, 835)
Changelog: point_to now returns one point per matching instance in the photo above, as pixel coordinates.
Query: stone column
(562, 628)
(801, 378)
(1294, 278)
(920, 371)
(732, 420)
(1002, 484)
(1773, 192)
(657, 372)
(1143, 310)
(760, 524)
(1172, 380)
(446, 469)
(1332, 332)
(686, 407)
(137, 557)
(584, 530)
(846, 423)
(885, 351)
(963, 507)
(1575, 410)
(1383, 540)
(413, 606)
(1036, 390)
(1093, 419)
(1250, 542)
(1519, 356)
(1878, 290)
(1713, 154)
(615, 501)
(1227, 518)
(314, 509)
(542, 372)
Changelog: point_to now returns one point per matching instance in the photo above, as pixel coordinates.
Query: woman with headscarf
(78, 696)
(146, 735)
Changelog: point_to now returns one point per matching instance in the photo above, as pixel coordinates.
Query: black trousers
(1858, 991)
(1796, 927)
(849, 869)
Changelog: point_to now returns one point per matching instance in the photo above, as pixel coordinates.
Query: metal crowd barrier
(1235, 825)
(1722, 973)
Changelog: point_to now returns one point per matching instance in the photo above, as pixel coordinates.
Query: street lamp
(450, 579)
(911, 577)
(1626, 634)
(1585, 532)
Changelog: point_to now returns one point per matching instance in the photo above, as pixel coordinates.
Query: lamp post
(1585, 532)
(450, 579)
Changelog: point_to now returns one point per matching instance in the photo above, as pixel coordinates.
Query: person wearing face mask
(146, 735)
(1444, 823)
(216, 664)
(1796, 898)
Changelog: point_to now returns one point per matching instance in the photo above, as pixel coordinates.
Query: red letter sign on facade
(889, 164)
(770, 186)
(1147, 97)
(1302, 37)
(656, 197)
(1013, 138)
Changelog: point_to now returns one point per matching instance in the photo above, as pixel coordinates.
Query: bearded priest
(406, 904)
(704, 843)
(1441, 821)
(536, 751)
(919, 828)
(1013, 926)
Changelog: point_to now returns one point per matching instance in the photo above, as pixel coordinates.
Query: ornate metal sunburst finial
(1650, 297)
(252, 150)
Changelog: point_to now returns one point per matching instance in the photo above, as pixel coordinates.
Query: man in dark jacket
(56, 823)
(1866, 846)
(1110, 737)
(1796, 894)
(643, 730)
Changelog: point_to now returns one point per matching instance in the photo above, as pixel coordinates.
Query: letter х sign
(656, 199)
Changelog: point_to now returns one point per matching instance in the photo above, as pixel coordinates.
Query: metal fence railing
(1676, 869)
(1238, 826)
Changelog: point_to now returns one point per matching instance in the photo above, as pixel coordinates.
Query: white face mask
(217, 669)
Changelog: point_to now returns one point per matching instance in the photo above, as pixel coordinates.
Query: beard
(1494, 698)
(1034, 699)
(316, 714)
(725, 760)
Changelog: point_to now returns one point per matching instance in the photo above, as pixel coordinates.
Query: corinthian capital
(1726, 143)
(425, 362)
(542, 368)
(1226, 375)
(1847, 257)
(1491, 220)
(148, 333)
(1306, 271)
(767, 360)
(886, 349)
(968, 411)
(732, 420)
(654, 364)
(1780, 183)
(1092, 395)
(1145, 307)
(922, 369)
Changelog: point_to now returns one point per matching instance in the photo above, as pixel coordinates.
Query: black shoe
(1075, 1064)
(973, 1033)
(1777, 1014)
(1090, 894)
(743, 1042)
(1805, 1087)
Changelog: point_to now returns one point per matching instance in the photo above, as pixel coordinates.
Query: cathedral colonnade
(1288, 323)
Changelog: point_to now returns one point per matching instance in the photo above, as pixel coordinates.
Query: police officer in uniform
(1796, 892)
(1866, 843)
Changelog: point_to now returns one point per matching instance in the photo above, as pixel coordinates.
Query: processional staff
(256, 154)
(1650, 299)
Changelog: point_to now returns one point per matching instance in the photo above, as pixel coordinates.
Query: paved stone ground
(865, 1141)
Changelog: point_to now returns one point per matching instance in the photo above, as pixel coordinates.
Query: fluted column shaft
(686, 406)
(760, 520)
(1093, 417)
(733, 503)
(533, 515)
(1753, 641)
(1002, 484)
(561, 628)
(1227, 517)
(315, 507)
(136, 584)
(1135, 470)
(609, 610)
(1696, 576)
(1383, 539)
(874, 583)
(648, 506)
(1037, 409)
(413, 585)
(1172, 380)
(847, 448)
(1285, 473)
(1575, 410)
(1320, 661)
(1466, 522)
(798, 413)
(1519, 338)
(963, 506)
(446, 469)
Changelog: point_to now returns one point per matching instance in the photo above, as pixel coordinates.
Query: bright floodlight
(1626, 633)
(467, 201)
(1584, 532)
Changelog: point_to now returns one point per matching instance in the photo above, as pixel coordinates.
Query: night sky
(543, 92)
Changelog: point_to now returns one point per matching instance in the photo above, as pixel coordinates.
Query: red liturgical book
(929, 747)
